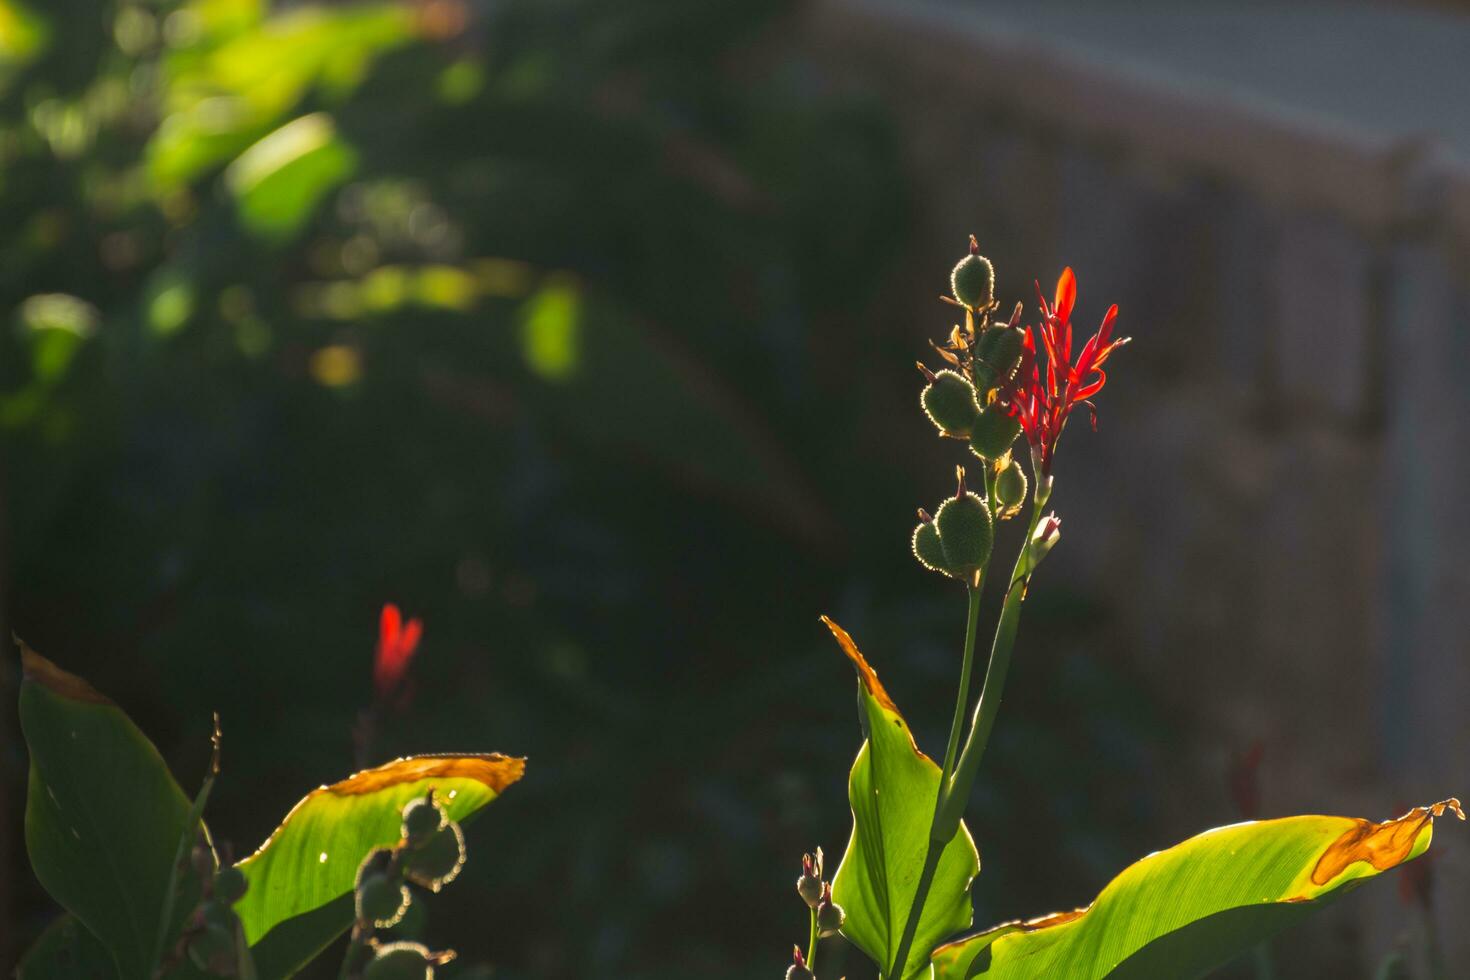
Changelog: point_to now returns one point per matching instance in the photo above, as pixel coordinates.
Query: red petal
(390, 622)
(409, 640)
(1091, 388)
(1066, 295)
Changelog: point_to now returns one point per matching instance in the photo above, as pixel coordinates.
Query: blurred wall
(1279, 199)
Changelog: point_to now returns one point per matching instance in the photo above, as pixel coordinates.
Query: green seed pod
(381, 899)
(400, 961)
(230, 885)
(928, 550)
(1010, 489)
(999, 349)
(436, 862)
(212, 949)
(421, 818)
(993, 432)
(965, 533)
(973, 280)
(949, 401)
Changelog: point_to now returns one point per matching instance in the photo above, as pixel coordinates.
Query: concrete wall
(1278, 493)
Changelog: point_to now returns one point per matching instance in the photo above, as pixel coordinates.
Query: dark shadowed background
(584, 330)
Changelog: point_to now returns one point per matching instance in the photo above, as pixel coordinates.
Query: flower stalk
(995, 368)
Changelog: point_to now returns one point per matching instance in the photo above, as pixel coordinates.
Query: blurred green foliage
(559, 322)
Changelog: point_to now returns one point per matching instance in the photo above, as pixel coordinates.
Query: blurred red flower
(397, 642)
(1042, 403)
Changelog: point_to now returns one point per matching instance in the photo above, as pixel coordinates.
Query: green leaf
(279, 181)
(301, 878)
(103, 814)
(66, 951)
(223, 96)
(1183, 911)
(892, 788)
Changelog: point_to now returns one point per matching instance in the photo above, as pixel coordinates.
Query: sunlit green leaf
(302, 877)
(103, 815)
(250, 76)
(551, 330)
(57, 325)
(892, 789)
(1180, 912)
(22, 35)
(169, 301)
(278, 182)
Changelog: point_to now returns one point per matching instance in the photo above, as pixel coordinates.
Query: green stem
(957, 792)
(962, 699)
(956, 779)
(921, 893)
(811, 946)
(936, 846)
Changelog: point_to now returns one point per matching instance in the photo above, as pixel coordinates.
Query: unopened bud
(949, 401)
(1010, 488)
(994, 432)
(809, 885)
(1048, 532)
(965, 533)
(797, 970)
(830, 915)
(973, 279)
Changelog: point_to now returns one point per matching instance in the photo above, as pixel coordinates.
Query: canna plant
(901, 892)
(149, 895)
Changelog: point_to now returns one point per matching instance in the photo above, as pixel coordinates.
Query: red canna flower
(397, 642)
(1041, 401)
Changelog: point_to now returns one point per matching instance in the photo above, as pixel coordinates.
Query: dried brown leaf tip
(493, 770)
(1383, 845)
(866, 673)
(37, 668)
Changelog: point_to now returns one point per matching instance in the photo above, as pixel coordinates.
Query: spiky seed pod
(965, 533)
(437, 861)
(1010, 489)
(400, 961)
(994, 432)
(230, 885)
(381, 900)
(998, 348)
(929, 551)
(973, 280)
(421, 817)
(949, 401)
